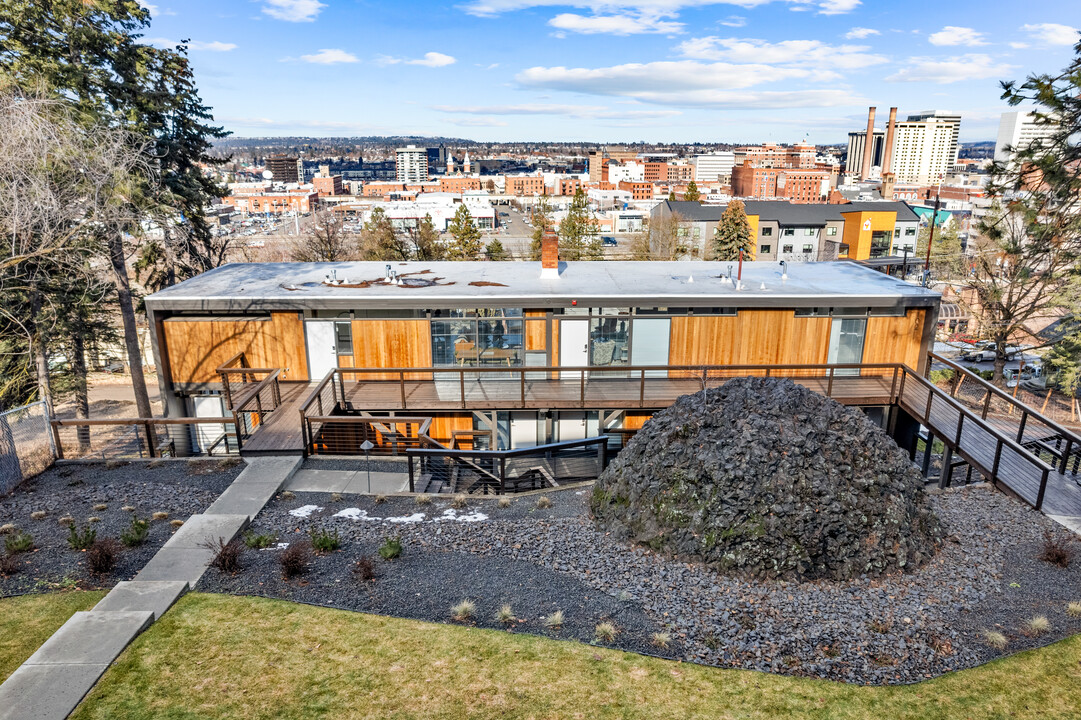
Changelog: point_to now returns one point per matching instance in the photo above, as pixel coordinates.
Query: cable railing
(256, 404)
(237, 379)
(122, 438)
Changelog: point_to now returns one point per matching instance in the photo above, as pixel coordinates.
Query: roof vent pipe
(784, 270)
(387, 277)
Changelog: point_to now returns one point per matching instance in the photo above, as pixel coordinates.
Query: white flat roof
(242, 287)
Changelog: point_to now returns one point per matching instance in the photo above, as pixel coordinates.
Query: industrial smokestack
(887, 153)
(868, 145)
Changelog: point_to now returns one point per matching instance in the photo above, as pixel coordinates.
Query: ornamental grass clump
(544, 502)
(37, 515)
(504, 502)
(661, 640)
(81, 540)
(459, 501)
(7, 529)
(505, 615)
(605, 632)
(1073, 609)
(463, 611)
(424, 500)
(554, 620)
(1037, 625)
(19, 542)
(995, 639)
(391, 548)
(160, 516)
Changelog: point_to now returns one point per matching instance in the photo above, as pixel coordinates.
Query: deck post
(341, 386)
(1065, 457)
(401, 386)
(893, 384)
(412, 486)
(994, 467)
(986, 405)
(1043, 488)
(56, 439)
(642, 389)
(829, 383)
(582, 391)
(1021, 426)
(946, 475)
(149, 439)
(960, 424)
(925, 469)
(461, 385)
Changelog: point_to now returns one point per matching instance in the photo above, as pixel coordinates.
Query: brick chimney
(868, 145)
(887, 153)
(550, 255)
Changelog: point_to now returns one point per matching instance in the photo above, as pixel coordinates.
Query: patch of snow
(414, 518)
(452, 514)
(355, 514)
(305, 511)
(279, 546)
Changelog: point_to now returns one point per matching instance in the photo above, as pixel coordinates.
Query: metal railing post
(521, 379)
(1021, 426)
(401, 385)
(1065, 456)
(1043, 489)
(994, 467)
(461, 385)
(503, 475)
(149, 439)
(582, 389)
(642, 389)
(412, 484)
(893, 385)
(829, 382)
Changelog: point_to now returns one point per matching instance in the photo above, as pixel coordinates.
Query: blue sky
(621, 70)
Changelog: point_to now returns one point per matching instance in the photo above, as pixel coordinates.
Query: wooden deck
(280, 432)
(593, 393)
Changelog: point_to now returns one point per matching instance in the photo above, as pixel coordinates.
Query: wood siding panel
(635, 421)
(392, 343)
(703, 341)
(754, 337)
(443, 426)
(894, 339)
(196, 348)
(536, 329)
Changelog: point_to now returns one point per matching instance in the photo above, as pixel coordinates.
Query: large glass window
(485, 336)
(846, 343)
(880, 243)
(609, 337)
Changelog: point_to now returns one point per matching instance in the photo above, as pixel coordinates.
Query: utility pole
(931, 235)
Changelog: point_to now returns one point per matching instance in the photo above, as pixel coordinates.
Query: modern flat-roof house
(797, 232)
(516, 354)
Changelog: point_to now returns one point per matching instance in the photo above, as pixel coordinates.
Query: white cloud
(633, 78)
(149, 7)
(293, 10)
(734, 21)
(615, 24)
(858, 33)
(801, 52)
(838, 7)
(954, 35)
(576, 111)
(330, 56)
(199, 45)
(477, 122)
(430, 59)
(1052, 33)
(950, 70)
(1019, 45)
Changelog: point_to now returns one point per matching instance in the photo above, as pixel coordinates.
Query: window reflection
(471, 337)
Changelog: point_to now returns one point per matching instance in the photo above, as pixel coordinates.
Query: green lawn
(26, 622)
(213, 656)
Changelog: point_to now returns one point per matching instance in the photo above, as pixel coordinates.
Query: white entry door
(573, 346)
(575, 425)
(322, 352)
(523, 429)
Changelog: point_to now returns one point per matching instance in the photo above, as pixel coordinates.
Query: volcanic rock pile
(764, 478)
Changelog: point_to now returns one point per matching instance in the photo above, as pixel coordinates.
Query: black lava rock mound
(764, 478)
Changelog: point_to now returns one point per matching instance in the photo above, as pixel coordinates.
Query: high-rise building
(857, 144)
(411, 164)
(1017, 130)
(921, 149)
(715, 167)
(286, 169)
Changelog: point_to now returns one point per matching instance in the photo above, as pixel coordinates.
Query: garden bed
(896, 629)
(102, 490)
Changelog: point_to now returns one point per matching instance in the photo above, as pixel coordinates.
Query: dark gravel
(894, 629)
(178, 488)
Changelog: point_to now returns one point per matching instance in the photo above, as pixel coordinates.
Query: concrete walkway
(348, 482)
(56, 678)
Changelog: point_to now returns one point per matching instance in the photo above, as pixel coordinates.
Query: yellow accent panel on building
(859, 226)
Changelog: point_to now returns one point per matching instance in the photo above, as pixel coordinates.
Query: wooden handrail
(228, 364)
(72, 422)
(254, 392)
(516, 369)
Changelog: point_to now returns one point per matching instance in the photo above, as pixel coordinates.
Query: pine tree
(542, 222)
(578, 237)
(732, 234)
(495, 251)
(380, 241)
(466, 243)
(947, 255)
(426, 243)
(691, 194)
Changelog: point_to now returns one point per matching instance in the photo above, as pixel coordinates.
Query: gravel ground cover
(177, 488)
(895, 629)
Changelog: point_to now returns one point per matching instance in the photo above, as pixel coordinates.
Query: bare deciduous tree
(326, 242)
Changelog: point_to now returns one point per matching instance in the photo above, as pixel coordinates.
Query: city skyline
(620, 71)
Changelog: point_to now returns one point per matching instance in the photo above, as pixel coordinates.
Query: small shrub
(879, 626)
(544, 502)
(155, 464)
(712, 641)
(128, 508)
(335, 497)
(831, 651)
(391, 548)
(555, 620)
(66, 521)
(37, 515)
(504, 502)
(7, 529)
(463, 610)
(1057, 549)
(294, 560)
(19, 542)
(114, 464)
(102, 555)
(288, 495)
(176, 523)
(380, 499)
(424, 500)
(9, 565)
(624, 596)
(459, 501)
(505, 615)
(1073, 609)
(661, 640)
(1037, 625)
(364, 569)
(81, 540)
(995, 639)
(101, 506)
(93, 519)
(882, 660)
(605, 632)
(259, 542)
(226, 554)
(136, 533)
(160, 516)
(325, 541)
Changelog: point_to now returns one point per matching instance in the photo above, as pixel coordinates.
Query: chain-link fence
(26, 444)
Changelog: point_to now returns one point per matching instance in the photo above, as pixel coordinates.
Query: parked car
(985, 352)
(609, 241)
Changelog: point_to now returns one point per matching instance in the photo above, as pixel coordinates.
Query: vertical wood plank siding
(895, 339)
(196, 348)
(392, 343)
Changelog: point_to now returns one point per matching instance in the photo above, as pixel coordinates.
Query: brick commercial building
(765, 183)
(656, 172)
(800, 155)
(275, 203)
(525, 185)
(331, 185)
(638, 190)
(458, 184)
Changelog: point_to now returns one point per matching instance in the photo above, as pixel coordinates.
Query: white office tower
(411, 164)
(1016, 131)
(925, 147)
(715, 167)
